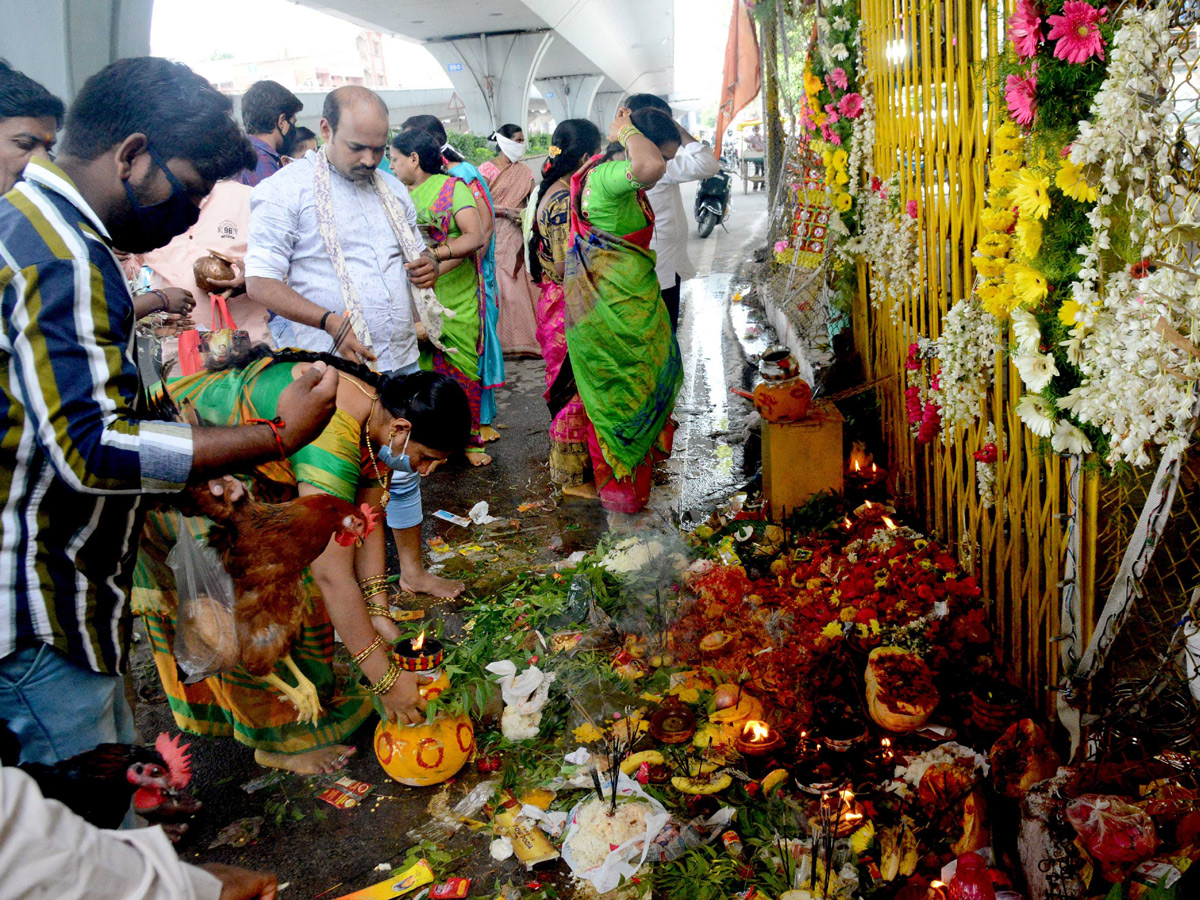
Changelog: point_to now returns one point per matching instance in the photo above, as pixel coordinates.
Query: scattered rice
(596, 834)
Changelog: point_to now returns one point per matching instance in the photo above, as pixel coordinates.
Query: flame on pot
(874, 469)
(857, 467)
(418, 642)
(846, 521)
(756, 732)
(891, 526)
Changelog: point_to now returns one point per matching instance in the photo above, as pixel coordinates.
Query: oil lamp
(420, 654)
(757, 738)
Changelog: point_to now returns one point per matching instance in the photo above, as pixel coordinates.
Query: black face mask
(154, 226)
(288, 141)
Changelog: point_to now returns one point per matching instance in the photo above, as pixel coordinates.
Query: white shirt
(692, 163)
(285, 244)
(48, 851)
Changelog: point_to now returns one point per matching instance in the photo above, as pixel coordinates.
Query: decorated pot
(428, 752)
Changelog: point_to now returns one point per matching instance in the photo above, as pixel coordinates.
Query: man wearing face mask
(144, 142)
(269, 114)
(335, 253)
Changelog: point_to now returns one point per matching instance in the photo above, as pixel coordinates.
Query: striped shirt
(74, 462)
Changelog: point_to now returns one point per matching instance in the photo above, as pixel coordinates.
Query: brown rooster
(265, 548)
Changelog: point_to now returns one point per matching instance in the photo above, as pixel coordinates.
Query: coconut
(726, 696)
(206, 637)
(213, 267)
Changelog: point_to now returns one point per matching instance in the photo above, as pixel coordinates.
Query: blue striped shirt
(74, 461)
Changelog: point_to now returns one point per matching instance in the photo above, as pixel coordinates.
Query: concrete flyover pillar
(60, 43)
(570, 96)
(604, 108)
(493, 74)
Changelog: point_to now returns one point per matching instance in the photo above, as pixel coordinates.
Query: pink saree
(511, 189)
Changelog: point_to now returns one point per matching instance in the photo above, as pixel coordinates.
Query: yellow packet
(397, 885)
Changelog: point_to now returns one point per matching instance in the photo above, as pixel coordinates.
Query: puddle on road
(715, 338)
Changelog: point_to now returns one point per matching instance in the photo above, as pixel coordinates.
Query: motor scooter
(712, 200)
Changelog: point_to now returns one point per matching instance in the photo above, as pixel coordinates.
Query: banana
(773, 780)
(634, 761)
(910, 854)
(702, 785)
(889, 853)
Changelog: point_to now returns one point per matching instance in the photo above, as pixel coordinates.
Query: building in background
(362, 63)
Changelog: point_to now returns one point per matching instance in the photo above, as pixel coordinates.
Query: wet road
(320, 850)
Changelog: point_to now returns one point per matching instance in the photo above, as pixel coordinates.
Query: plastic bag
(1116, 833)
(622, 861)
(205, 632)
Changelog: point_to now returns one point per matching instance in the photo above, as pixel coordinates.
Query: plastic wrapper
(205, 631)
(1115, 832)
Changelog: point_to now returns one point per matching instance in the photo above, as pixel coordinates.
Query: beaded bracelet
(384, 684)
(370, 648)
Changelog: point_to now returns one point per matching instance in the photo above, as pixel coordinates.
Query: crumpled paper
(524, 696)
(625, 860)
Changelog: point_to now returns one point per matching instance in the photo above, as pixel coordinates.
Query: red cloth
(743, 69)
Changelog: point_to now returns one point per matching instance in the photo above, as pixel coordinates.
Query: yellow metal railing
(932, 69)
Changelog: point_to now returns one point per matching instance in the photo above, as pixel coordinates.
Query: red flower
(1141, 269)
(988, 454)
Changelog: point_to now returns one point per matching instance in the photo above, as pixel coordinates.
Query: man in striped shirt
(144, 142)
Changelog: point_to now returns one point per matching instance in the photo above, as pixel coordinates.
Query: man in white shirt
(291, 270)
(693, 162)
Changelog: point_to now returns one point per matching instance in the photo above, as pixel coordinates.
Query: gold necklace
(383, 480)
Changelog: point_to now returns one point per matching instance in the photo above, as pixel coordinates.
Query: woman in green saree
(427, 414)
(623, 353)
(446, 208)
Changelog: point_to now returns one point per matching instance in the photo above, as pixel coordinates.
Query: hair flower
(553, 151)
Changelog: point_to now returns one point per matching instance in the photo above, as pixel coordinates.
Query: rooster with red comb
(99, 784)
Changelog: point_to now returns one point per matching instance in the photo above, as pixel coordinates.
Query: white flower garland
(1137, 388)
(967, 351)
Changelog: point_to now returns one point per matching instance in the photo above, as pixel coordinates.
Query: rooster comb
(371, 515)
(177, 758)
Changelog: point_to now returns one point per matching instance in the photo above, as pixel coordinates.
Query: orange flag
(743, 69)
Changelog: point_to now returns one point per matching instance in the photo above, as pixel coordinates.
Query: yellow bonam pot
(427, 753)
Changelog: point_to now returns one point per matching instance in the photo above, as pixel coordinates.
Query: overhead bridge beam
(492, 73)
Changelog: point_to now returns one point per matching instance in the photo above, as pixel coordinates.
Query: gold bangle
(373, 579)
(378, 609)
(626, 133)
(375, 591)
(384, 684)
(370, 648)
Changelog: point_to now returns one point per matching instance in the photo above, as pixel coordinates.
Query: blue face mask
(396, 461)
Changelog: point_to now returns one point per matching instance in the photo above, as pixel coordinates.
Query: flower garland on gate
(1061, 192)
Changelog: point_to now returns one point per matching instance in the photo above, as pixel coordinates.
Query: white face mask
(514, 150)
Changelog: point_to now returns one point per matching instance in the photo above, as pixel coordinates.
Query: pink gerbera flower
(1078, 32)
(1020, 94)
(832, 113)
(912, 209)
(1025, 26)
(851, 106)
(837, 78)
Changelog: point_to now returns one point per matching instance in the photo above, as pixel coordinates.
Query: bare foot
(321, 761)
(488, 434)
(479, 459)
(424, 582)
(585, 491)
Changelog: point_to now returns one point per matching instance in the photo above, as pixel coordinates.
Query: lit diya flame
(851, 812)
(756, 732)
(857, 467)
(418, 642)
(874, 469)
(846, 521)
(891, 526)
